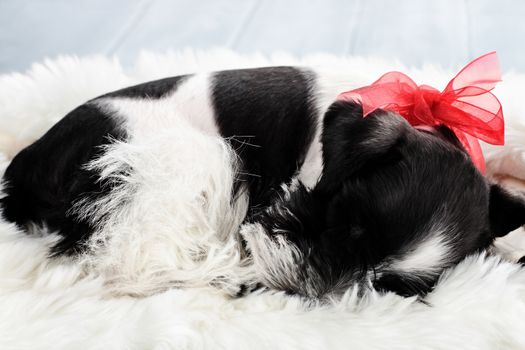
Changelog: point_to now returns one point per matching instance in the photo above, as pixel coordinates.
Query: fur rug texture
(480, 304)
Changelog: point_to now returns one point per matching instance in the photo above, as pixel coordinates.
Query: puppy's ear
(506, 210)
(352, 143)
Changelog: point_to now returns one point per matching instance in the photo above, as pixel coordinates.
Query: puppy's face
(395, 206)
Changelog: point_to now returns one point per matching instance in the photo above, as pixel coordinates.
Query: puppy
(254, 178)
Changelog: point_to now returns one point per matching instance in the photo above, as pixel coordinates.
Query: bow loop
(425, 100)
(466, 105)
(484, 72)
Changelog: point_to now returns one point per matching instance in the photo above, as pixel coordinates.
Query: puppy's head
(395, 205)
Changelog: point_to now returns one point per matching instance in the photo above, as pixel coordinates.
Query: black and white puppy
(253, 177)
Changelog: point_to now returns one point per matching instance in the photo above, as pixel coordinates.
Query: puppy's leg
(281, 242)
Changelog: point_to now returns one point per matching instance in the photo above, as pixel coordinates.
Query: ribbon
(466, 105)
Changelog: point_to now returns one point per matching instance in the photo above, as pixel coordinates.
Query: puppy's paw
(279, 240)
(276, 260)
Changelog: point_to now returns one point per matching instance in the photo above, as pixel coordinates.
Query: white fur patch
(274, 257)
(278, 262)
(171, 220)
(312, 168)
(428, 256)
(190, 101)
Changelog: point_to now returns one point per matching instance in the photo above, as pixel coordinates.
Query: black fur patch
(405, 285)
(507, 211)
(44, 179)
(268, 116)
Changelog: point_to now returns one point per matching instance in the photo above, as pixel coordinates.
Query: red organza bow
(466, 105)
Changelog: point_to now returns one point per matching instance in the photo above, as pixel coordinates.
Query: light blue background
(449, 32)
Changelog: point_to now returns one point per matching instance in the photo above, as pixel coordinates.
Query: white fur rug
(480, 304)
